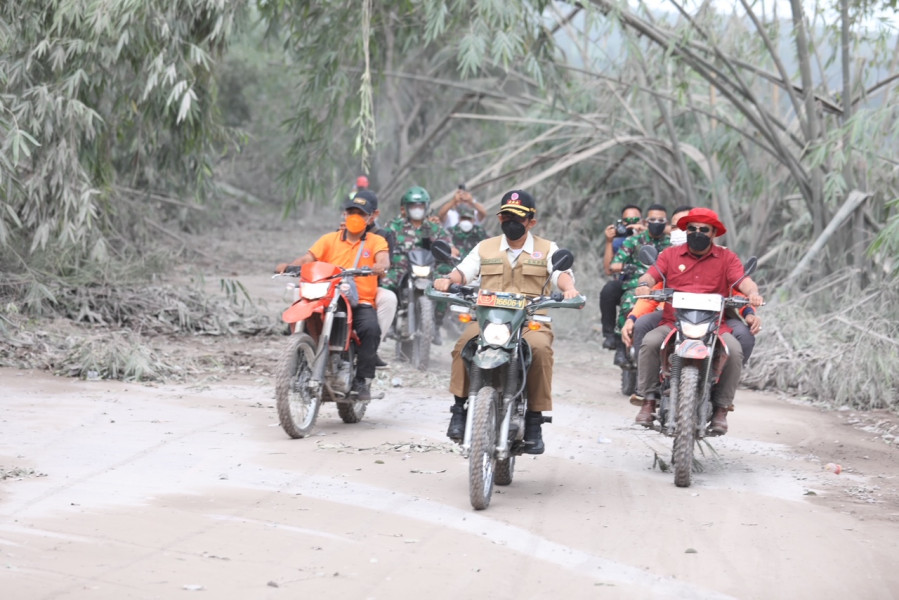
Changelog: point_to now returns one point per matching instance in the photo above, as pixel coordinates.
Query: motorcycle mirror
(441, 250)
(750, 266)
(648, 255)
(748, 269)
(563, 259)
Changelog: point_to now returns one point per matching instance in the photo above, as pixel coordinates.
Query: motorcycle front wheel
(687, 395)
(482, 455)
(297, 399)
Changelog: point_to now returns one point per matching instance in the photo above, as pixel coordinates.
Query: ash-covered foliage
(830, 348)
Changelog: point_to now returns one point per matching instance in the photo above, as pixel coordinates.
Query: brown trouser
(540, 375)
(649, 363)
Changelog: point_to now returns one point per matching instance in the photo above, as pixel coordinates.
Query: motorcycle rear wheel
(297, 402)
(482, 455)
(688, 394)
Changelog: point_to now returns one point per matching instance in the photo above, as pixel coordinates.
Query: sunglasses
(631, 220)
(694, 229)
(657, 220)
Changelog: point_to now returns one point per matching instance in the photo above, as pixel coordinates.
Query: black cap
(519, 203)
(364, 199)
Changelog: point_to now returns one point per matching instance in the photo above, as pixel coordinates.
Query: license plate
(502, 300)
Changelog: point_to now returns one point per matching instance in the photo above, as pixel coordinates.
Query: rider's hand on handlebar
(442, 284)
(569, 294)
(280, 268)
(756, 300)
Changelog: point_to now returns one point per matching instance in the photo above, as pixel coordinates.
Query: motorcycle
(319, 364)
(498, 360)
(414, 324)
(693, 356)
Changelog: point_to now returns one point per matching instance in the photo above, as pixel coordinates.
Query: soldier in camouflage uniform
(628, 265)
(465, 236)
(413, 229)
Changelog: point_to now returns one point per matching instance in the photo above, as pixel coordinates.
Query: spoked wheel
(505, 470)
(481, 458)
(351, 410)
(687, 391)
(298, 400)
(421, 345)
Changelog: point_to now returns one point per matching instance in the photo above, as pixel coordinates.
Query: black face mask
(656, 229)
(513, 229)
(698, 242)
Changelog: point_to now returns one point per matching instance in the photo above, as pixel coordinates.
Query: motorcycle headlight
(695, 331)
(314, 291)
(421, 270)
(497, 334)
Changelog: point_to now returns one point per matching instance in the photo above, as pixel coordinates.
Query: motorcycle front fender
(692, 349)
(490, 358)
(300, 311)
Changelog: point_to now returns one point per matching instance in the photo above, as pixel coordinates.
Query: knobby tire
(297, 404)
(685, 431)
(482, 456)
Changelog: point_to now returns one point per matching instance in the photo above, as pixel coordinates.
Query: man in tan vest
(518, 262)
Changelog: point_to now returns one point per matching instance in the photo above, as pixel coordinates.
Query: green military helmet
(466, 211)
(417, 195)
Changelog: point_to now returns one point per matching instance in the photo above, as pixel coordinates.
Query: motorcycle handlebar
(455, 288)
(294, 271)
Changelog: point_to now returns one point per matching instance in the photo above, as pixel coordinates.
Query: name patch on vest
(491, 261)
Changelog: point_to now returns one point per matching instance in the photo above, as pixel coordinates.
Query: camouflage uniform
(627, 256)
(464, 241)
(407, 238)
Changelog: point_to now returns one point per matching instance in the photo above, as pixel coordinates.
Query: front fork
(476, 380)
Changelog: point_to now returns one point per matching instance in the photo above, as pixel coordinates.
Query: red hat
(702, 215)
(361, 182)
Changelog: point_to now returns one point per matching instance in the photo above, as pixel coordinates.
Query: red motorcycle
(320, 362)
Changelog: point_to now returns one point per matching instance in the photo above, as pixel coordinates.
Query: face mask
(466, 225)
(416, 214)
(656, 229)
(678, 237)
(698, 242)
(513, 229)
(355, 224)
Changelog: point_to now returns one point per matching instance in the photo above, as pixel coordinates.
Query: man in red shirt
(700, 267)
(341, 248)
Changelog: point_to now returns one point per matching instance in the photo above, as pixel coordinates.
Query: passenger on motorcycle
(342, 248)
(630, 223)
(465, 235)
(412, 229)
(699, 266)
(628, 265)
(518, 262)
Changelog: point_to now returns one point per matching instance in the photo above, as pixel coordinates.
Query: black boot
(620, 359)
(533, 432)
(362, 389)
(456, 429)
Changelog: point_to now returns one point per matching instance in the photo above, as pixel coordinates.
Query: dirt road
(119, 491)
(112, 491)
